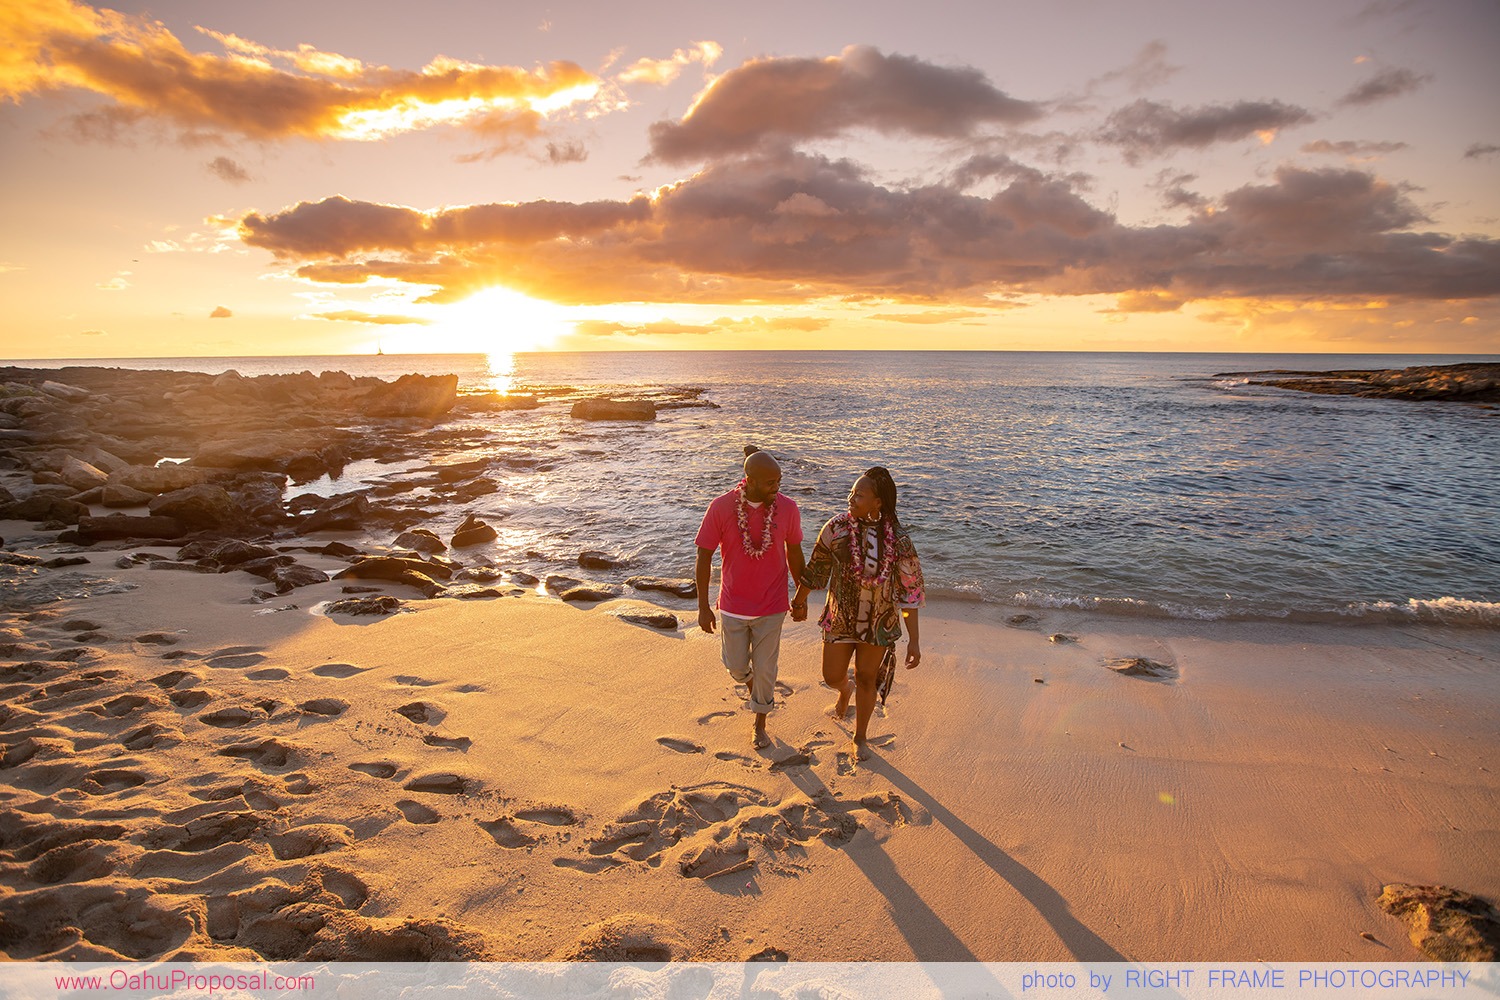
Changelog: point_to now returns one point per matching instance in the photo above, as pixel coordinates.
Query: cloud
(6, 268)
(221, 312)
(722, 325)
(791, 227)
(787, 100)
(572, 151)
(1479, 150)
(92, 333)
(227, 170)
(115, 284)
(663, 71)
(930, 318)
(1353, 149)
(258, 92)
(663, 327)
(1383, 86)
(379, 319)
(1148, 128)
(1145, 302)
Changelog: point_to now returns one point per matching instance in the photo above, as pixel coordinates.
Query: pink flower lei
(741, 509)
(856, 568)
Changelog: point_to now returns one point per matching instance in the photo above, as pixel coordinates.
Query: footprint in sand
(847, 765)
(470, 688)
(306, 841)
(589, 866)
(191, 698)
(266, 753)
(172, 678)
(505, 833)
(123, 705)
(441, 783)
(739, 759)
(422, 713)
(448, 742)
(548, 815)
(377, 769)
(681, 746)
(416, 812)
(704, 720)
(791, 761)
(784, 689)
(716, 859)
(411, 681)
(158, 639)
(229, 718)
(109, 781)
(234, 661)
(269, 674)
(148, 736)
(339, 670)
(325, 706)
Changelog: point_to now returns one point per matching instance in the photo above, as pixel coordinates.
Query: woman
(868, 563)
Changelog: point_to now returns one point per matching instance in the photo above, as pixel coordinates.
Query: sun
(498, 320)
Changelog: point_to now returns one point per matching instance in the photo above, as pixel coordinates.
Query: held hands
(706, 620)
(913, 655)
(799, 611)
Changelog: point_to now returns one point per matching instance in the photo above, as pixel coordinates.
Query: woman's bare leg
(836, 674)
(866, 671)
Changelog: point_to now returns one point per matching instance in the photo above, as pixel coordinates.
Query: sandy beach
(189, 773)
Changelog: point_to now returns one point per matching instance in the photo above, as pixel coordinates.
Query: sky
(215, 178)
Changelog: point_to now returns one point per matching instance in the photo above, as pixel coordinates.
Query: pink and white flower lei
(856, 568)
(741, 509)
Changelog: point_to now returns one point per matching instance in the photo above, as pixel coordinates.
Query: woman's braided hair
(885, 489)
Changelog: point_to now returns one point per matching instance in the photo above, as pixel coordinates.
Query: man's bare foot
(759, 738)
(860, 749)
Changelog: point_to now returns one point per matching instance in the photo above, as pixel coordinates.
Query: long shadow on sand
(1083, 943)
(931, 940)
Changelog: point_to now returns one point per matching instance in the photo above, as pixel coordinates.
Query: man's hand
(799, 611)
(706, 620)
(913, 655)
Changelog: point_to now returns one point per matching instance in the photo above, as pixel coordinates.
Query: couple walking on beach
(863, 557)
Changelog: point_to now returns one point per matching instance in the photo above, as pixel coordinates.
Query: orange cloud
(793, 228)
(379, 319)
(259, 92)
(663, 71)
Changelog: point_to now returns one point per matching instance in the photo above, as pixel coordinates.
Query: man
(759, 535)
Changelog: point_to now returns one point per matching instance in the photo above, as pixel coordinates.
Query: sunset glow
(727, 179)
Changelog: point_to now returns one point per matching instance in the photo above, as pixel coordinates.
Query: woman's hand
(913, 655)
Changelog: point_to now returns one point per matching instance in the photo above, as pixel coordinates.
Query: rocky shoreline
(118, 459)
(1473, 382)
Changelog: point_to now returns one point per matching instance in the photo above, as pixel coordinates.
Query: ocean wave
(1450, 611)
(1440, 610)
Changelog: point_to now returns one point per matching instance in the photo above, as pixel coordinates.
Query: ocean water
(1128, 483)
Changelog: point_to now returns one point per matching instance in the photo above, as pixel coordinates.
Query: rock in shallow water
(609, 409)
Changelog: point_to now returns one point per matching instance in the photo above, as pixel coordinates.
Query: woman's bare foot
(841, 710)
(860, 749)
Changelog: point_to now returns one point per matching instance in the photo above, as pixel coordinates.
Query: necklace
(856, 568)
(742, 510)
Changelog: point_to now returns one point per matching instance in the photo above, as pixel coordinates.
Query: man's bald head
(762, 477)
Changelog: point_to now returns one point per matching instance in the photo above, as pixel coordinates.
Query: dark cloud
(1481, 149)
(1358, 149)
(571, 151)
(1383, 86)
(791, 227)
(226, 169)
(381, 319)
(787, 100)
(1148, 128)
(222, 312)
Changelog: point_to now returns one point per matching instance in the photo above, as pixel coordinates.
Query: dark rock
(1473, 382)
(161, 479)
(359, 590)
(413, 396)
(202, 506)
(676, 587)
(62, 561)
(116, 495)
(556, 582)
(81, 475)
(265, 568)
(185, 567)
(365, 606)
(609, 409)
(461, 471)
(473, 532)
(46, 508)
(94, 529)
(478, 488)
(400, 571)
(288, 578)
(664, 620)
(421, 540)
(345, 513)
(233, 552)
(474, 592)
(1448, 925)
(593, 559)
(484, 574)
(89, 497)
(1024, 621)
(591, 592)
(524, 579)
